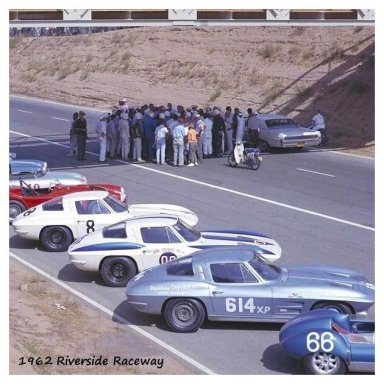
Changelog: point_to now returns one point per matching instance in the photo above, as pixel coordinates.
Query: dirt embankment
(289, 70)
(50, 328)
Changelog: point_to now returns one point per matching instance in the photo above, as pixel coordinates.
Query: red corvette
(24, 197)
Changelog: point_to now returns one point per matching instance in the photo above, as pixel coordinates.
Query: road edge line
(110, 313)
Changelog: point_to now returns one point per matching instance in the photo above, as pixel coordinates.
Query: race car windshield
(115, 204)
(186, 232)
(267, 271)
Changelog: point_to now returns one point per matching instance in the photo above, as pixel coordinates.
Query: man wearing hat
(80, 129)
(101, 130)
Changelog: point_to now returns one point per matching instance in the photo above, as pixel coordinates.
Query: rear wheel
(15, 208)
(117, 271)
(337, 307)
(231, 159)
(322, 363)
(56, 238)
(184, 315)
(264, 146)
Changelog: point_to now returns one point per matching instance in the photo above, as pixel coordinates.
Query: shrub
(216, 94)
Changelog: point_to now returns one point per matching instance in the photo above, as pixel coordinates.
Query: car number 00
(326, 343)
(167, 257)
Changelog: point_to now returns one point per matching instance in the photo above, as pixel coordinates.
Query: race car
(330, 343)
(121, 250)
(238, 284)
(24, 197)
(36, 174)
(59, 221)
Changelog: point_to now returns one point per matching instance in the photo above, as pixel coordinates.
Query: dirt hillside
(289, 70)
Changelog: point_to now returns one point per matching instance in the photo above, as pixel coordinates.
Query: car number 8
(326, 343)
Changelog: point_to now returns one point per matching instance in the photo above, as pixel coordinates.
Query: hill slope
(290, 70)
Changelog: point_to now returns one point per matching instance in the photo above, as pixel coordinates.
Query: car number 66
(316, 341)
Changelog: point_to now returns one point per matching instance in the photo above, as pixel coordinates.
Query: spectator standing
(253, 129)
(228, 120)
(101, 130)
(192, 142)
(80, 129)
(319, 122)
(161, 133)
(171, 124)
(199, 128)
(149, 135)
(218, 131)
(207, 136)
(124, 135)
(73, 136)
(240, 127)
(137, 133)
(178, 143)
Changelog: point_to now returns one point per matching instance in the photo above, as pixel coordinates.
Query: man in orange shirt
(192, 141)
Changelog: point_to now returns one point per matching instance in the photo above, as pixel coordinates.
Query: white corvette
(59, 221)
(121, 250)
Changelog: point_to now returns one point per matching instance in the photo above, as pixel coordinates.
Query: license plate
(300, 144)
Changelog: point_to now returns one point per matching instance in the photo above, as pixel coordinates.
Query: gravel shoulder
(50, 323)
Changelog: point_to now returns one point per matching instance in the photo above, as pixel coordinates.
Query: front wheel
(254, 163)
(322, 363)
(232, 160)
(337, 307)
(15, 208)
(117, 271)
(56, 238)
(184, 315)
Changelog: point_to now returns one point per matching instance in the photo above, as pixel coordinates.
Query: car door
(236, 293)
(91, 215)
(161, 245)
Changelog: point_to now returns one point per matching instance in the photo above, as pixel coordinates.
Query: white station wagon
(59, 221)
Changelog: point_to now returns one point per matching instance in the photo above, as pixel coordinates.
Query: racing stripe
(262, 251)
(108, 247)
(240, 232)
(231, 238)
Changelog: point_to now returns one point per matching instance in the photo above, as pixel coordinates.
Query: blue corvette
(330, 343)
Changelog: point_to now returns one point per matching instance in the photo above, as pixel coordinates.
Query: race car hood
(185, 214)
(327, 276)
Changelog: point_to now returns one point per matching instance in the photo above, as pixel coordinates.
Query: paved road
(318, 205)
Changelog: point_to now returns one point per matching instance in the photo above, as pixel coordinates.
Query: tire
(337, 307)
(56, 238)
(264, 146)
(254, 164)
(15, 208)
(117, 271)
(184, 315)
(322, 363)
(231, 160)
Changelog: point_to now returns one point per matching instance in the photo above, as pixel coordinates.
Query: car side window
(115, 231)
(231, 273)
(90, 207)
(53, 205)
(158, 235)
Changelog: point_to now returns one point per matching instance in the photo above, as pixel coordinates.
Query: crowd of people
(166, 134)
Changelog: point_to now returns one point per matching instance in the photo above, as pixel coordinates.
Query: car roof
(270, 116)
(226, 254)
(86, 195)
(153, 220)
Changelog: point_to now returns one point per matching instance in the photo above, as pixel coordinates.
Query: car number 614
(316, 342)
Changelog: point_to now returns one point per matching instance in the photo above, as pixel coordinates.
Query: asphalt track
(319, 205)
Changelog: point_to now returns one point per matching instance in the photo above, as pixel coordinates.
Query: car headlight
(281, 136)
